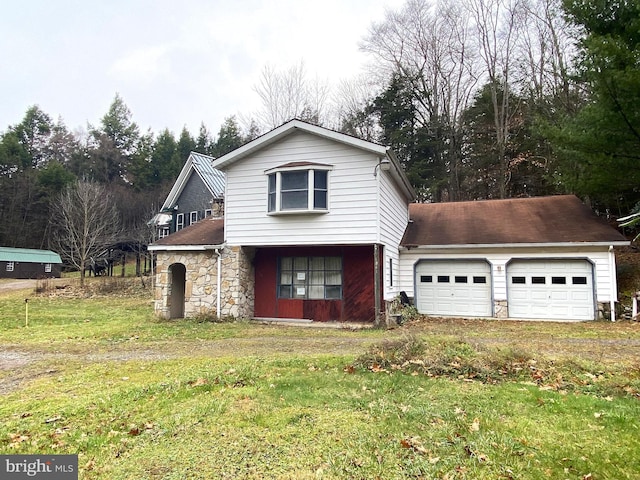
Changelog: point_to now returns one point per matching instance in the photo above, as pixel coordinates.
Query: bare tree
(352, 97)
(86, 221)
(548, 52)
(497, 25)
(430, 45)
(290, 94)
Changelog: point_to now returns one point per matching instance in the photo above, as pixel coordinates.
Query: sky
(174, 63)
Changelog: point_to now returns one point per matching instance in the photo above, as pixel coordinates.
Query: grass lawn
(139, 398)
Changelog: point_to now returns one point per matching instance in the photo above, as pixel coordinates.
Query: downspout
(612, 283)
(377, 301)
(219, 283)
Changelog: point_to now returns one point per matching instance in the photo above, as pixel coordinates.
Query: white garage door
(551, 289)
(456, 288)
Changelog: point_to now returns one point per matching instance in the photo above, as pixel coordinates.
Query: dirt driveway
(9, 284)
(6, 284)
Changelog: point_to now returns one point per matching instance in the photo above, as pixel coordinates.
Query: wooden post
(376, 282)
(26, 312)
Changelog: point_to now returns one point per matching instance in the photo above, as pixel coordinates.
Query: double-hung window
(193, 218)
(179, 221)
(10, 266)
(298, 190)
(315, 278)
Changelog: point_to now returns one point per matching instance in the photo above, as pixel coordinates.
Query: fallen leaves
(198, 382)
(415, 444)
(475, 425)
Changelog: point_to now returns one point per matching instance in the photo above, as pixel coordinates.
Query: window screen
(315, 278)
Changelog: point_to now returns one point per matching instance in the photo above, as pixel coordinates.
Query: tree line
(40, 158)
(479, 98)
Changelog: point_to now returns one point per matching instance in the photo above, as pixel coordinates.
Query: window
(193, 218)
(315, 278)
(426, 278)
(538, 280)
(461, 279)
(579, 280)
(47, 268)
(479, 279)
(297, 191)
(518, 280)
(163, 232)
(179, 221)
(559, 280)
(10, 266)
(443, 278)
(208, 212)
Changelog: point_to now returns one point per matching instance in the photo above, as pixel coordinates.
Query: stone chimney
(217, 208)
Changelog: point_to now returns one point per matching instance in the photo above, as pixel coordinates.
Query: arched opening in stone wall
(177, 275)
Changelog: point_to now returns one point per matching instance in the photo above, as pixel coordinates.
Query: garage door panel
(559, 296)
(456, 288)
(551, 289)
(480, 296)
(581, 311)
(580, 296)
(535, 295)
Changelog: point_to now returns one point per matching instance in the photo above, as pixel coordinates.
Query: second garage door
(454, 288)
(551, 289)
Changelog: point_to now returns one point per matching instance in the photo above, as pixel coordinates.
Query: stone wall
(201, 280)
(500, 309)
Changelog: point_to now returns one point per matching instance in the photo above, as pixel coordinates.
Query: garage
(550, 289)
(454, 288)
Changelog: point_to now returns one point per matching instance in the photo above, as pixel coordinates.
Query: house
(197, 192)
(320, 225)
(29, 263)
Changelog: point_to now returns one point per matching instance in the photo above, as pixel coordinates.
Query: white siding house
(319, 225)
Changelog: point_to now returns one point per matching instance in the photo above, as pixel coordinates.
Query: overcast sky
(174, 63)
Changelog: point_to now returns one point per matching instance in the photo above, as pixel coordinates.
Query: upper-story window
(298, 190)
(163, 232)
(179, 221)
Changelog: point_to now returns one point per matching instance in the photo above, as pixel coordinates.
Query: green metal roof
(8, 254)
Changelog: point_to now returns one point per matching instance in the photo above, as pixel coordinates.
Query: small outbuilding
(29, 263)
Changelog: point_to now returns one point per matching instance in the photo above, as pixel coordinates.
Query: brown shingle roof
(554, 219)
(209, 231)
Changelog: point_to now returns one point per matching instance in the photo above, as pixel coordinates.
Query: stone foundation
(201, 282)
(500, 309)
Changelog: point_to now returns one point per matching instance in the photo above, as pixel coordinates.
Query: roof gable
(201, 165)
(539, 220)
(293, 126)
(288, 128)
